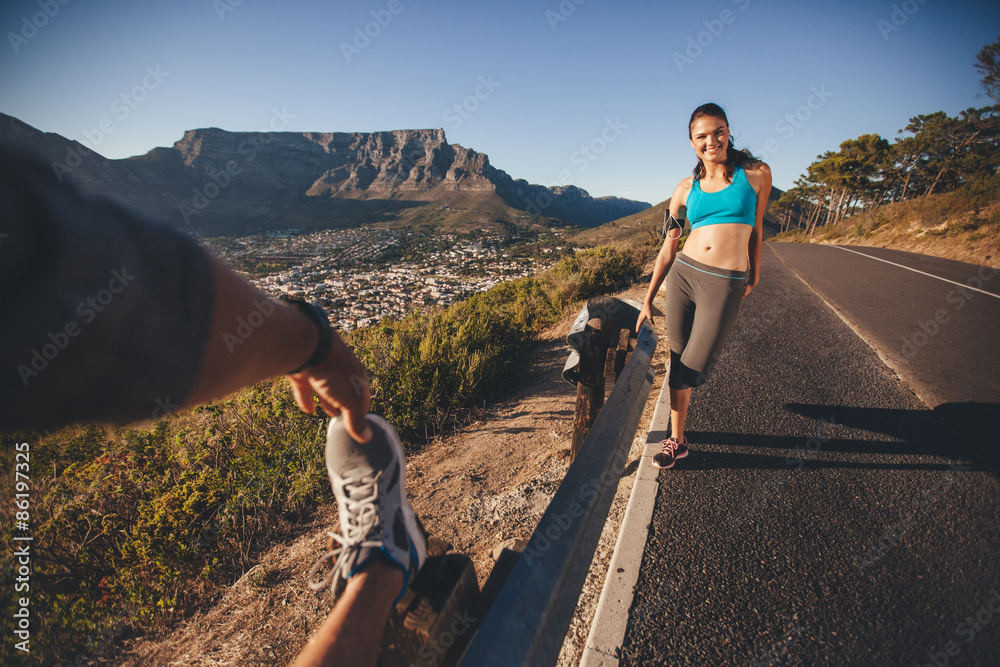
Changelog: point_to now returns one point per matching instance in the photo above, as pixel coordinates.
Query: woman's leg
(701, 307)
(680, 399)
(679, 315)
(718, 294)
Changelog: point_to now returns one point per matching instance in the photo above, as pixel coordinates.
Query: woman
(725, 201)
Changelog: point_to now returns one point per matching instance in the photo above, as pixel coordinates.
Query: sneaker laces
(670, 446)
(359, 517)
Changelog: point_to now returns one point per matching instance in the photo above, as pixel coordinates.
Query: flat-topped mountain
(214, 181)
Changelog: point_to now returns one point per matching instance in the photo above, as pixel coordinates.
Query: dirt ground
(475, 489)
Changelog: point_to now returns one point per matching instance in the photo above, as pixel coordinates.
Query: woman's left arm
(760, 179)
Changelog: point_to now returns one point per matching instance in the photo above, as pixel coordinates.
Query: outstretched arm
(118, 317)
(760, 180)
(668, 251)
(284, 339)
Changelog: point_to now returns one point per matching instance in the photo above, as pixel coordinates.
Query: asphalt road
(934, 321)
(825, 515)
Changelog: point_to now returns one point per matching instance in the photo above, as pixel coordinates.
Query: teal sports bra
(735, 203)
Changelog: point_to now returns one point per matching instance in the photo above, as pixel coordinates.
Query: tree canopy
(936, 153)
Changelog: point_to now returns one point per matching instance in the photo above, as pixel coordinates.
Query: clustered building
(345, 271)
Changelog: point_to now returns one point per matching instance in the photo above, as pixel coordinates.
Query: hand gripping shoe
(369, 483)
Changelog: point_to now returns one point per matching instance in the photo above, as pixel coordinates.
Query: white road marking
(995, 296)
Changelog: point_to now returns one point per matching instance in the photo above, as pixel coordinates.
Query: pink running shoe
(672, 451)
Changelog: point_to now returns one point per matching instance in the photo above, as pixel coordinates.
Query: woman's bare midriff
(723, 246)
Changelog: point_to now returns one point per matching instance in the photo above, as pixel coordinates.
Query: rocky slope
(215, 181)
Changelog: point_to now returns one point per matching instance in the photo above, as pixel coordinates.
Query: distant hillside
(647, 225)
(213, 181)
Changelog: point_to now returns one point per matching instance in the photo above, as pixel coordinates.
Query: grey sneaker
(369, 483)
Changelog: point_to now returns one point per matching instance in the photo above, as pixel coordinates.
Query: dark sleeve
(105, 314)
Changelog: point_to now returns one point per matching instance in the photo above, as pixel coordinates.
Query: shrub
(142, 521)
(797, 235)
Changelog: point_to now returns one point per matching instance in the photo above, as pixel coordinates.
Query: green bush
(142, 521)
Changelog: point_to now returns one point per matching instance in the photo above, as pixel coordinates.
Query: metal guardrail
(528, 620)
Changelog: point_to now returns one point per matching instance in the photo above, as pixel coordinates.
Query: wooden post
(621, 354)
(590, 388)
(423, 625)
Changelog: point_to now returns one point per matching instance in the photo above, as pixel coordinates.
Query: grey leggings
(702, 304)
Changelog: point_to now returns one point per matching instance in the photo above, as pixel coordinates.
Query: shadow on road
(977, 426)
(945, 433)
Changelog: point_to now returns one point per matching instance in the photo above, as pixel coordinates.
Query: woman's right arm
(668, 251)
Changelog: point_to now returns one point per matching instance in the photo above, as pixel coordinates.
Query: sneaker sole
(663, 467)
(413, 526)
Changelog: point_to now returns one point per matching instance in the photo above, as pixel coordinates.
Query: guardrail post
(434, 613)
(527, 622)
(601, 339)
(590, 386)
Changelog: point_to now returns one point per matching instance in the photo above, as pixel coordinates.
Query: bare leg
(680, 399)
(351, 634)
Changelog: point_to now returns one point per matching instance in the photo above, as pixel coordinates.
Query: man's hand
(341, 383)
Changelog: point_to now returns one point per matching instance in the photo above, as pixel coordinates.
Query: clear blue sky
(608, 75)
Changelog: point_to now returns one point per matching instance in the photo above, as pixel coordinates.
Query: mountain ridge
(214, 180)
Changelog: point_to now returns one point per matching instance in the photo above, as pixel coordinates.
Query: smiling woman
(725, 201)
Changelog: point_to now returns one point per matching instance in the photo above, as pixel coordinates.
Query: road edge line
(857, 332)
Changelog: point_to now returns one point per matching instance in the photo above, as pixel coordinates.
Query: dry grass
(264, 618)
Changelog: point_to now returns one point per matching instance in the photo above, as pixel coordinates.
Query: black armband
(318, 317)
(670, 223)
